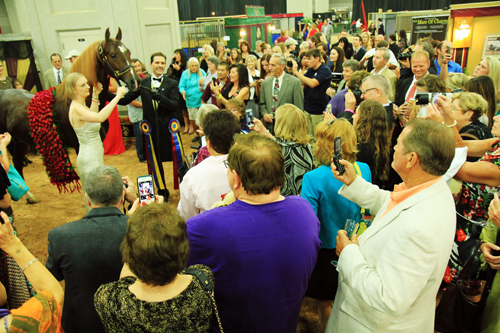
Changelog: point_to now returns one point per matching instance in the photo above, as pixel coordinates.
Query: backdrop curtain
(19, 61)
(191, 9)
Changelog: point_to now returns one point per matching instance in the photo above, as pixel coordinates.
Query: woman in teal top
(188, 86)
(320, 189)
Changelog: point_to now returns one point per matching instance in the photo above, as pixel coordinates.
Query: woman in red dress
(113, 143)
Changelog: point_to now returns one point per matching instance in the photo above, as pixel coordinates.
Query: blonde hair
(494, 71)
(70, 84)
(277, 49)
(189, 62)
(240, 105)
(325, 140)
(456, 81)
(210, 49)
(291, 124)
(251, 57)
(470, 101)
(305, 45)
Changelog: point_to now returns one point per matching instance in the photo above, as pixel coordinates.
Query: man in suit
(86, 253)
(160, 98)
(393, 46)
(278, 90)
(359, 51)
(380, 30)
(376, 87)
(380, 61)
(391, 274)
(54, 76)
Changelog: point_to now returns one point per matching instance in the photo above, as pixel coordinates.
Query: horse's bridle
(116, 73)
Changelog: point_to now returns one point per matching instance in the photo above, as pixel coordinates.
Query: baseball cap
(72, 53)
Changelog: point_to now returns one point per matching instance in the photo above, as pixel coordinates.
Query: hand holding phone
(146, 188)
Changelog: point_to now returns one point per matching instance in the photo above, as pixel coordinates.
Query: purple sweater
(262, 257)
(338, 102)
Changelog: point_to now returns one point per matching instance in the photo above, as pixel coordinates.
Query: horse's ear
(119, 34)
(107, 34)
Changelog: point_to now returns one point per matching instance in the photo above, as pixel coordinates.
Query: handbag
(209, 287)
(455, 312)
(17, 187)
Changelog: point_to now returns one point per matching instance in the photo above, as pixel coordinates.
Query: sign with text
(425, 26)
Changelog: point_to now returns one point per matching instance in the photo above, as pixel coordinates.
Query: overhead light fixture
(213, 13)
(242, 33)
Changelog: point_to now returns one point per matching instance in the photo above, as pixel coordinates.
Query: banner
(425, 26)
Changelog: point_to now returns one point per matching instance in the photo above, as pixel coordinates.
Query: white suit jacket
(389, 282)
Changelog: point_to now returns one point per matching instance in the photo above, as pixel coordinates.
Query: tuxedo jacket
(160, 115)
(290, 92)
(50, 80)
(390, 281)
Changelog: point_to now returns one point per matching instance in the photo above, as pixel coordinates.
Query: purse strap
(209, 287)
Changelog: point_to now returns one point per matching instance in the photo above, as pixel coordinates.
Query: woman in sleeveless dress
(87, 121)
(113, 143)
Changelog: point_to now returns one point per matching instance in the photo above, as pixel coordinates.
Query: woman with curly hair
(320, 188)
(370, 123)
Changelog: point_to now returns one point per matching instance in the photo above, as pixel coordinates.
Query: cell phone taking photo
(249, 118)
(146, 188)
(337, 156)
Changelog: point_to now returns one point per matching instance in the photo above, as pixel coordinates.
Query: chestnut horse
(98, 62)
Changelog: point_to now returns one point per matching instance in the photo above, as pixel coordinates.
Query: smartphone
(146, 188)
(213, 80)
(448, 49)
(351, 227)
(249, 115)
(337, 155)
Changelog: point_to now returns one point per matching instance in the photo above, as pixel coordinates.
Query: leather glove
(155, 95)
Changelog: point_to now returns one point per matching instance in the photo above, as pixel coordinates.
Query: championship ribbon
(177, 150)
(152, 162)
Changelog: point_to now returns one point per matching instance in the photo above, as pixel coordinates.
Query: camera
(405, 55)
(424, 98)
(357, 93)
(289, 63)
(173, 62)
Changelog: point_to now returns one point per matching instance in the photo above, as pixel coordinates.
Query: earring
(75, 94)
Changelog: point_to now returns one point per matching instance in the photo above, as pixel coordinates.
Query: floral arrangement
(48, 142)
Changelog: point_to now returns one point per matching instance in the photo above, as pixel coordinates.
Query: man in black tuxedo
(160, 100)
(359, 51)
(86, 253)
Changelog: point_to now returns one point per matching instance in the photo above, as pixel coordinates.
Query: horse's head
(116, 58)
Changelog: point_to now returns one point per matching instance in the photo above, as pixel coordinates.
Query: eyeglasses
(366, 90)
(226, 164)
(331, 122)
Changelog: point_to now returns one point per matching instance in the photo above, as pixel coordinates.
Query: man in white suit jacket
(290, 90)
(389, 281)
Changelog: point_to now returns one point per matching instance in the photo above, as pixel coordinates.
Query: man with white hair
(380, 61)
(278, 90)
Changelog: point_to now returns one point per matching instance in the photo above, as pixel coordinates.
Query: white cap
(72, 53)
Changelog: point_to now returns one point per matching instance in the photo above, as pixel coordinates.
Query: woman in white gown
(87, 122)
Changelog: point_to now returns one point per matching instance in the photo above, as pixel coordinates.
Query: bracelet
(452, 125)
(349, 110)
(266, 133)
(28, 265)
(219, 97)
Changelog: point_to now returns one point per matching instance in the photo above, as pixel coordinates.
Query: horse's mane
(86, 64)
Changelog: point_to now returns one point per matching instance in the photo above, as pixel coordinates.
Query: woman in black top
(467, 108)
(347, 47)
(178, 65)
(370, 123)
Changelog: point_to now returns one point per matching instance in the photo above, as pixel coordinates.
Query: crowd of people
(291, 155)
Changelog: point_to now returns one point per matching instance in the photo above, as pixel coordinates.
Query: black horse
(98, 62)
